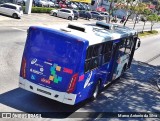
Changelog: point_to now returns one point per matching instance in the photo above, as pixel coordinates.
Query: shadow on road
(135, 92)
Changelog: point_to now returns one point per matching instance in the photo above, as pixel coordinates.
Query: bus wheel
(123, 70)
(96, 90)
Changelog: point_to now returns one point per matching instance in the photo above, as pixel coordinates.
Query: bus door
(114, 59)
(133, 47)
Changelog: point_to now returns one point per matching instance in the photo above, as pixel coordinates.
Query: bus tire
(96, 90)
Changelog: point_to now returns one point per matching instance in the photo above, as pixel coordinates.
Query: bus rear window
(54, 47)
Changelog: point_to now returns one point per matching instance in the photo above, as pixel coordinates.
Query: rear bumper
(46, 92)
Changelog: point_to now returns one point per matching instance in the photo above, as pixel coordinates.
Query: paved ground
(46, 20)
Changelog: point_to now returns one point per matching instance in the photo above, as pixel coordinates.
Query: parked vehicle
(85, 14)
(11, 10)
(71, 5)
(87, 6)
(21, 2)
(76, 14)
(50, 3)
(84, 7)
(82, 14)
(101, 9)
(56, 5)
(63, 13)
(97, 15)
(41, 3)
(104, 13)
(80, 7)
(62, 4)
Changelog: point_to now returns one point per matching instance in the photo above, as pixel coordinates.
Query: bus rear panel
(49, 64)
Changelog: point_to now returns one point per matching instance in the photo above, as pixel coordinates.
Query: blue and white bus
(74, 63)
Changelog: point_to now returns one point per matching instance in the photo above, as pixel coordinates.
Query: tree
(145, 13)
(158, 6)
(113, 8)
(130, 8)
(153, 18)
(139, 9)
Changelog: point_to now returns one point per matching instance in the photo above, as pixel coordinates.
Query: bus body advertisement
(59, 64)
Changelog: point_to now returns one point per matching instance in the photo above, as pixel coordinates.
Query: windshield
(20, 8)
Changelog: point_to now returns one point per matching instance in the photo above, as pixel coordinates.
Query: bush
(148, 33)
(40, 9)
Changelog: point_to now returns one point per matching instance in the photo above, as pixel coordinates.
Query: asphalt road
(136, 91)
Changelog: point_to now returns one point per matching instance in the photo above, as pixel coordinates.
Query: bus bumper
(63, 97)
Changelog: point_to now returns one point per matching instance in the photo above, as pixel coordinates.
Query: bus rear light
(72, 83)
(23, 68)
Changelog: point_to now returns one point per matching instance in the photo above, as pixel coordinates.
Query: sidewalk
(47, 20)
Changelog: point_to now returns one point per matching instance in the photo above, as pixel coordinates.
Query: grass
(146, 33)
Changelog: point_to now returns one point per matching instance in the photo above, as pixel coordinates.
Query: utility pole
(28, 7)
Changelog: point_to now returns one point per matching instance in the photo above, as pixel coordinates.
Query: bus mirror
(139, 44)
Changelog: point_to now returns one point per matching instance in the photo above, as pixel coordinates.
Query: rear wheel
(15, 16)
(70, 18)
(55, 14)
(76, 18)
(96, 90)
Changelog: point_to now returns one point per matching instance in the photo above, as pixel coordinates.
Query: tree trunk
(134, 23)
(126, 19)
(143, 26)
(110, 7)
(152, 27)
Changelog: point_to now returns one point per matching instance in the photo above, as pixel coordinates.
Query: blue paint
(67, 51)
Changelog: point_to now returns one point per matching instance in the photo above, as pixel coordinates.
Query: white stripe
(19, 29)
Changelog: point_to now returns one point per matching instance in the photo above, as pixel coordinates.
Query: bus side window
(95, 62)
(122, 46)
(87, 65)
(88, 58)
(89, 52)
(107, 52)
(97, 50)
(128, 46)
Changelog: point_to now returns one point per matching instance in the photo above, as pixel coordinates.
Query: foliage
(145, 13)
(40, 9)
(153, 18)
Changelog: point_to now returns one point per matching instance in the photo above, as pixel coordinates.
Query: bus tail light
(23, 68)
(72, 83)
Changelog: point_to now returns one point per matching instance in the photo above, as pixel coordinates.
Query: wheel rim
(70, 18)
(14, 16)
(54, 14)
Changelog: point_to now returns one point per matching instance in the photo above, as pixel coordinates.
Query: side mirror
(139, 43)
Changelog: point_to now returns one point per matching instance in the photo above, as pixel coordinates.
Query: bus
(73, 63)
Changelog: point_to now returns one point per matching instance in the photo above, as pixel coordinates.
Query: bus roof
(99, 32)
